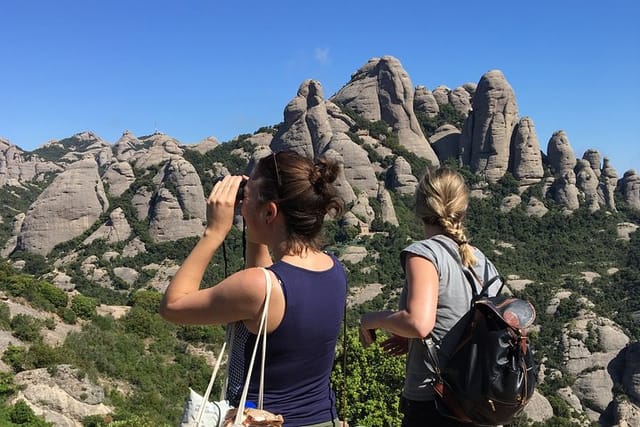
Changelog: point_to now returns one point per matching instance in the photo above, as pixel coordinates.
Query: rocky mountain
(81, 203)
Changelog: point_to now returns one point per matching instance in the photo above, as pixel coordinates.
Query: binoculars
(240, 194)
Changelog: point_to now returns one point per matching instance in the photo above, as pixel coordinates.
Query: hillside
(92, 232)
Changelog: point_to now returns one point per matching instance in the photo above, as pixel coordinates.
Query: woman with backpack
(436, 293)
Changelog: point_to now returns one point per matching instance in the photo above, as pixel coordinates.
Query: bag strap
(205, 397)
(470, 274)
(262, 333)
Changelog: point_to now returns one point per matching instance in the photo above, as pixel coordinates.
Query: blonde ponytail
(442, 198)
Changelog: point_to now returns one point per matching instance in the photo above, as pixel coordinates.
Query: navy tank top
(301, 351)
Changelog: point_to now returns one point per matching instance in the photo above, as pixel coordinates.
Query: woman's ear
(271, 212)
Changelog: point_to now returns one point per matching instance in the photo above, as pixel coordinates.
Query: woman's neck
(431, 230)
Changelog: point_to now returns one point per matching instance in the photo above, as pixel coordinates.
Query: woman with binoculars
(284, 204)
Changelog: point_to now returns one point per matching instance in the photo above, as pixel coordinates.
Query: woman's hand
(221, 205)
(396, 345)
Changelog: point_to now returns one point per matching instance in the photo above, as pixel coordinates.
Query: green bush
(84, 307)
(15, 356)
(25, 327)
(5, 316)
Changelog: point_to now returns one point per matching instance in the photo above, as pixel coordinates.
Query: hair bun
(327, 171)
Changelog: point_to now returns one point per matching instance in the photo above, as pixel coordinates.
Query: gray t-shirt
(454, 300)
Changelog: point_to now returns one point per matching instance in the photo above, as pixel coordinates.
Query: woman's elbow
(421, 329)
(166, 312)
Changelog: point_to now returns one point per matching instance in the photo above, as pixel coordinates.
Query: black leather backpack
(484, 368)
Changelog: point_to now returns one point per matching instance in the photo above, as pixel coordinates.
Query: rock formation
(401, 178)
(446, 142)
(18, 168)
(594, 158)
(177, 209)
(116, 229)
(560, 154)
(441, 94)
(486, 137)
(630, 188)
(388, 212)
(162, 148)
(424, 102)
(460, 99)
(65, 209)
(313, 126)
(608, 183)
(526, 158)
(587, 183)
(119, 176)
(63, 396)
(382, 90)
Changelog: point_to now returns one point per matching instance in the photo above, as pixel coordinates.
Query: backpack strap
(470, 274)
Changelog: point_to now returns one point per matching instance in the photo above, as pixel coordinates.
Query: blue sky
(196, 68)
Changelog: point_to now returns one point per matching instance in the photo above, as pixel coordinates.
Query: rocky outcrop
(62, 395)
(401, 178)
(486, 137)
(441, 94)
(446, 142)
(313, 126)
(536, 208)
(363, 210)
(460, 99)
(162, 148)
(608, 183)
(116, 229)
(526, 157)
(83, 145)
(587, 183)
(424, 102)
(205, 145)
(592, 347)
(119, 176)
(343, 188)
(630, 188)
(538, 409)
(18, 167)
(66, 209)
(595, 159)
(560, 154)
(128, 146)
(13, 240)
(177, 209)
(382, 90)
(387, 211)
(565, 191)
(626, 414)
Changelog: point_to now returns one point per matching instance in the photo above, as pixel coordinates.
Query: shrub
(25, 327)
(84, 307)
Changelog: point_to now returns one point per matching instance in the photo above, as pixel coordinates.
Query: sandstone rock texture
(63, 397)
(177, 209)
(65, 209)
(315, 127)
(382, 90)
(560, 154)
(424, 102)
(446, 142)
(116, 229)
(402, 178)
(486, 137)
(630, 188)
(526, 157)
(18, 168)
